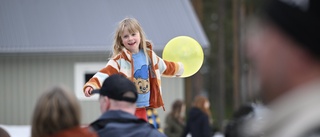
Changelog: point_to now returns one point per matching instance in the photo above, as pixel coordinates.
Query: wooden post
(198, 6)
(221, 63)
(244, 68)
(236, 87)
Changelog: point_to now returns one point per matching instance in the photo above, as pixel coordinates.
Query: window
(83, 71)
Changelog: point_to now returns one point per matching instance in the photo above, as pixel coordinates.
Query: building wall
(23, 77)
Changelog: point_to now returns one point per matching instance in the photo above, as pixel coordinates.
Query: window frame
(80, 70)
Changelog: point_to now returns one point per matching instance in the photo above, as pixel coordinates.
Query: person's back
(118, 96)
(122, 124)
(198, 123)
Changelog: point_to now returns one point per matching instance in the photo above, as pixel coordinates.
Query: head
(282, 48)
(130, 35)
(178, 109)
(117, 93)
(203, 104)
(56, 110)
(4, 133)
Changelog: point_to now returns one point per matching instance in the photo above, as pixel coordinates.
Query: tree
(226, 82)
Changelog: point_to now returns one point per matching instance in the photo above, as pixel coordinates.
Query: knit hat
(116, 87)
(300, 19)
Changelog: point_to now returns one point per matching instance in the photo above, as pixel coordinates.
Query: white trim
(80, 69)
(17, 130)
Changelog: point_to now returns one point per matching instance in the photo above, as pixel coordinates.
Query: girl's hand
(87, 91)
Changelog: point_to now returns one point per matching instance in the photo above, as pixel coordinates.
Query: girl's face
(131, 41)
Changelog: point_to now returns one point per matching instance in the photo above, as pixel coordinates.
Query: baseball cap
(116, 87)
(299, 19)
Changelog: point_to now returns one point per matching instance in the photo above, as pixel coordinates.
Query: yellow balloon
(186, 50)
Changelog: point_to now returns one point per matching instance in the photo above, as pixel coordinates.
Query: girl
(133, 57)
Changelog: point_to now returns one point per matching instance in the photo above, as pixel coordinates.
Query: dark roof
(88, 26)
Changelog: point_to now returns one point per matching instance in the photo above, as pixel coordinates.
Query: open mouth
(131, 44)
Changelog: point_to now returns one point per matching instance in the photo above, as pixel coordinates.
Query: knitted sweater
(123, 64)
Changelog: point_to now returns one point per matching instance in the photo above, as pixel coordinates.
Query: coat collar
(127, 54)
(117, 114)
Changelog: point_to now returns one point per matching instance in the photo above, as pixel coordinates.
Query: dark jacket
(197, 124)
(173, 128)
(123, 124)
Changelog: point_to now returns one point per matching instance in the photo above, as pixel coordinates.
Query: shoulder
(194, 109)
(155, 133)
(197, 113)
(170, 119)
(118, 56)
(146, 129)
(123, 54)
(77, 131)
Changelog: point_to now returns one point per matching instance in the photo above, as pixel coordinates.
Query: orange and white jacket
(123, 64)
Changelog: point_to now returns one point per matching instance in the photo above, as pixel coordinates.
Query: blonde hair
(56, 110)
(133, 26)
(199, 102)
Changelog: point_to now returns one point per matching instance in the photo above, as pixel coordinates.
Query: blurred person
(118, 96)
(244, 114)
(198, 122)
(284, 47)
(175, 120)
(233, 128)
(57, 114)
(3, 133)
